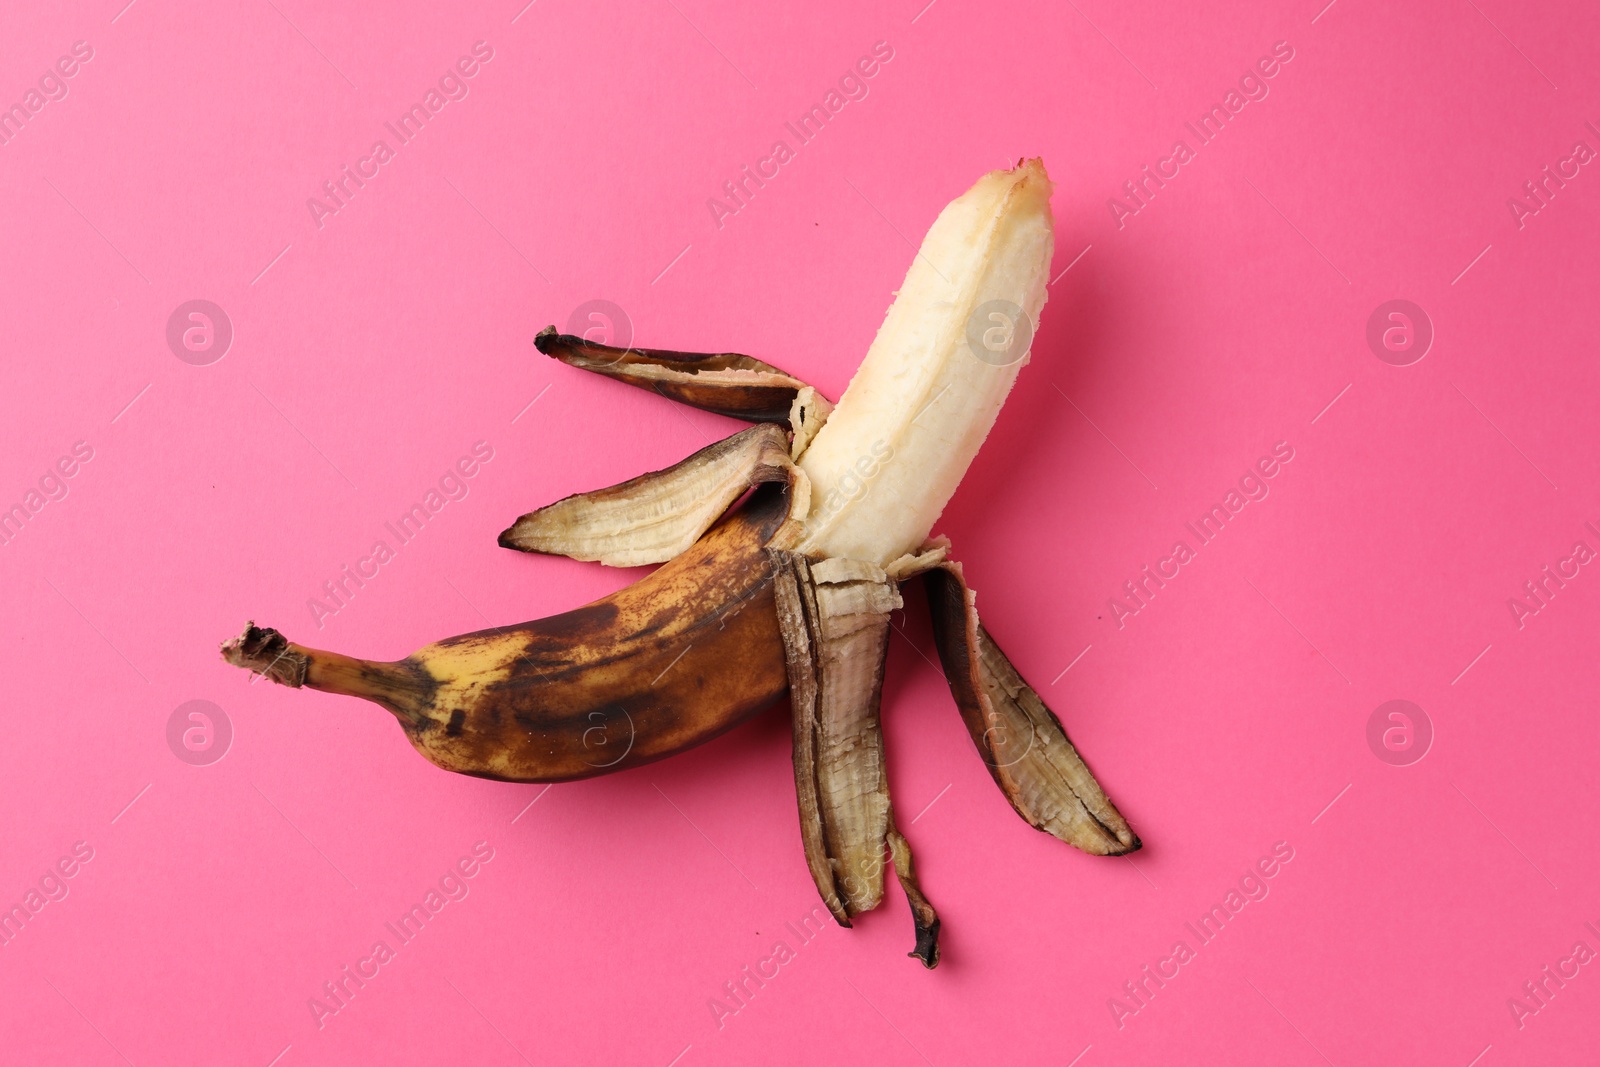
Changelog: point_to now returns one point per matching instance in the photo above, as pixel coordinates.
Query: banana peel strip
(930, 555)
(727, 383)
(834, 616)
(657, 516)
(1020, 739)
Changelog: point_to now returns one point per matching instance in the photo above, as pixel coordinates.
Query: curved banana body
(673, 660)
(774, 595)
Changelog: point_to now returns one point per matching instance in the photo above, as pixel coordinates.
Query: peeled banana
(791, 590)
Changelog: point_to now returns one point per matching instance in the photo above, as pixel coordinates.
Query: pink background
(1227, 715)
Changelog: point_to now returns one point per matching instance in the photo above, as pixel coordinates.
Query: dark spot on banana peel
(580, 623)
(927, 944)
(457, 717)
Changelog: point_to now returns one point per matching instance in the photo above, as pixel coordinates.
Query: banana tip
(927, 948)
(267, 652)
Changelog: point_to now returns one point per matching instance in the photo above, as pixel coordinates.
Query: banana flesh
(896, 446)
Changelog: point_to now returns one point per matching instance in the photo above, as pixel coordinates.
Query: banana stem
(401, 687)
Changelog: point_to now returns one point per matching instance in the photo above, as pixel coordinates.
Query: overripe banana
(792, 590)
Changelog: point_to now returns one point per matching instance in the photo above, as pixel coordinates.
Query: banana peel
(835, 620)
(782, 550)
(724, 382)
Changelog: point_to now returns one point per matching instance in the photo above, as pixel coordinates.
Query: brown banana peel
(1020, 739)
(672, 661)
(788, 587)
(724, 382)
(656, 517)
(834, 615)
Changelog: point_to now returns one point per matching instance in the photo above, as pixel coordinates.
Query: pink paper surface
(1221, 315)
